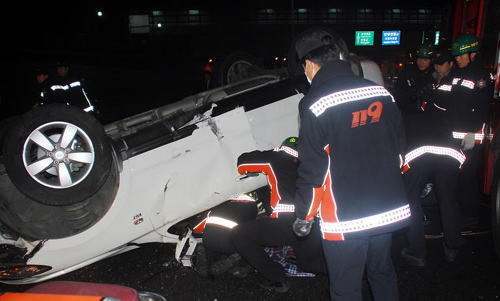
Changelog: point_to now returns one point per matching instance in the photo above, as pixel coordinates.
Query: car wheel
(57, 155)
(33, 220)
(235, 67)
(495, 208)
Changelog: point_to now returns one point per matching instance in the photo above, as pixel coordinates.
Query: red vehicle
(80, 291)
(470, 17)
(491, 175)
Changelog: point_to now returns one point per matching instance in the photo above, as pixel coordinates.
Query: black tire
(33, 220)
(234, 67)
(57, 155)
(5, 126)
(495, 208)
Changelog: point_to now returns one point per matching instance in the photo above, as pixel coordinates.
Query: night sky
(42, 33)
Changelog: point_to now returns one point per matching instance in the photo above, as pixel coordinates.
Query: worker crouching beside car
(249, 238)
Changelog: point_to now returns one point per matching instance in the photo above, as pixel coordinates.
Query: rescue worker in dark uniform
(440, 102)
(216, 228)
(443, 66)
(351, 142)
(472, 90)
(42, 88)
(69, 89)
(436, 105)
(432, 156)
(250, 238)
(414, 83)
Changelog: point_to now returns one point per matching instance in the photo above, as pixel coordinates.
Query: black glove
(302, 227)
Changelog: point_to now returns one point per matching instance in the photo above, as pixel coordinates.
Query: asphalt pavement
(474, 276)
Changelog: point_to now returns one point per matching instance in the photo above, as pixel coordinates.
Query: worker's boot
(221, 266)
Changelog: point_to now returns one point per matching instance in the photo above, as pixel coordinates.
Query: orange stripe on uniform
(329, 209)
(323, 196)
(271, 179)
(200, 227)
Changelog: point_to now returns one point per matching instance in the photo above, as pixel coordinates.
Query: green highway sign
(364, 38)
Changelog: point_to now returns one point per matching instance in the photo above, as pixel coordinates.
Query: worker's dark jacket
(280, 166)
(471, 94)
(350, 152)
(67, 90)
(413, 88)
(429, 134)
(437, 109)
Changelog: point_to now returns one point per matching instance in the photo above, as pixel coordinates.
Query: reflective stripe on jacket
(478, 137)
(436, 150)
(365, 223)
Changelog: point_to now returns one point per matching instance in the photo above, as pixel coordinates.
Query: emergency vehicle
(470, 17)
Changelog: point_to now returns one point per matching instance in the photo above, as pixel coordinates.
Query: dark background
(131, 72)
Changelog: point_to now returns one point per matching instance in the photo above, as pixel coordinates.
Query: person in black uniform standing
(414, 83)
(441, 100)
(68, 89)
(443, 66)
(472, 90)
(351, 141)
(432, 156)
(250, 238)
(42, 79)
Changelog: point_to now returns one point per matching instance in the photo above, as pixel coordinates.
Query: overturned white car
(73, 192)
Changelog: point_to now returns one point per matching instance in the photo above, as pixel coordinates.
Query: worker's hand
(302, 227)
(468, 141)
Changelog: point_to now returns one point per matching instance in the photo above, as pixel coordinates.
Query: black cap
(315, 39)
(42, 71)
(442, 56)
(62, 64)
